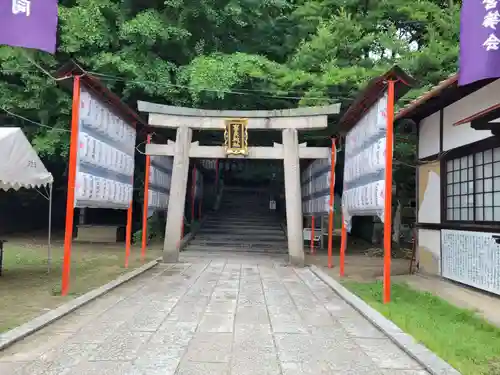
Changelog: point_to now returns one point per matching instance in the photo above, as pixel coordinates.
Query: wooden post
(146, 204)
(193, 190)
(70, 200)
(388, 192)
(128, 235)
(313, 251)
(332, 198)
(216, 175)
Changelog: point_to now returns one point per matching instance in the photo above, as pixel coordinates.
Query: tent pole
(49, 248)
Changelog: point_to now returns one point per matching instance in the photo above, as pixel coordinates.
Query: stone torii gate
(236, 124)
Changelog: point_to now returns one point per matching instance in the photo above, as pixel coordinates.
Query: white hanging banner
(160, 176)
(365, 164)
(105, 161)
(315, 181)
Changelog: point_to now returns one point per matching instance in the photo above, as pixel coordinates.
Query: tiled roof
(422, 99)
(372, 92)
(72, 68)
(478, 115)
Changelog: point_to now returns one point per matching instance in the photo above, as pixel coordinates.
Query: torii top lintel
(296, 118)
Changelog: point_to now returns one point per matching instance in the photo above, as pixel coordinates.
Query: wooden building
(458, 181)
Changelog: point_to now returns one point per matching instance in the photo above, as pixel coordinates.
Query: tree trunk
(397, 224)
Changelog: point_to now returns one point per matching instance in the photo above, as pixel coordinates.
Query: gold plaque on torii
(236, 137)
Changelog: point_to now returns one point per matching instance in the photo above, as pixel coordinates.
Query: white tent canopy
(20, 166)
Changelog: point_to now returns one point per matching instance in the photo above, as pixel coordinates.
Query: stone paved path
(241, 316)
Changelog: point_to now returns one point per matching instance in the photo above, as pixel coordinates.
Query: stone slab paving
(246, 315)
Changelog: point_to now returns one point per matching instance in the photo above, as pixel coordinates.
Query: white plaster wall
(429, 250)
(429, 210)
(428, 140)
(460, 135)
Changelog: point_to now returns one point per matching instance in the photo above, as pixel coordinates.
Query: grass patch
(27, 290)
(460, 337)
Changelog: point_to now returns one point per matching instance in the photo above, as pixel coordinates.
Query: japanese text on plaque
(236, 137)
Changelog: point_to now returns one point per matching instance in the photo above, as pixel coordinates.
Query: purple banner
(29, 24)
(479, 40)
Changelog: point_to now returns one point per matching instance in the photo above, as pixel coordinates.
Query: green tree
(230, 54)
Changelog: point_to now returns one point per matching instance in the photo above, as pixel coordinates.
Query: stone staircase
(242, 224)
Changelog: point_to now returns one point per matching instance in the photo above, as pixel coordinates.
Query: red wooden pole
(70, 200)
(388, 192)
(128, 235)
(343, 245)
(312, 235)
(199, 207)
(332, 197)
(146, 204)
